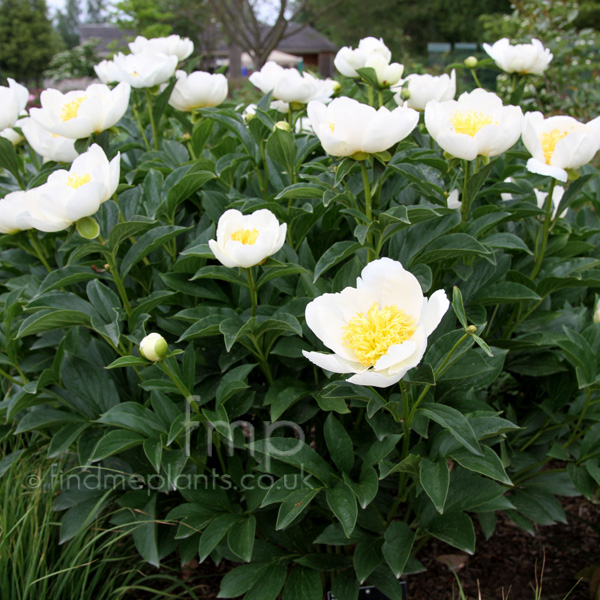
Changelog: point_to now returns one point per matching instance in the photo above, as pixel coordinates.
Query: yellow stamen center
(371, 335)
(70, 110)
(247, 236)
(76, 181)
(470, 122)
(549, 141)
(331, 126)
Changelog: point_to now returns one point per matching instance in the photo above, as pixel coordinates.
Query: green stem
(437, 373)
(464, 207)
(545, 232)
(10, 378)
(136, 112)
(588, 397)
(112, 263)
(372, 254)
(252, 290)
(265, 178)
(475, 78)
(370, 95)
(380, 96)
(152, 123)
(38, 251)
(182, 389)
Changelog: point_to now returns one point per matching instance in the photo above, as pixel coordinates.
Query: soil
(503, 567)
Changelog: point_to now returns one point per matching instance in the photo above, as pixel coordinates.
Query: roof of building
(304, 41)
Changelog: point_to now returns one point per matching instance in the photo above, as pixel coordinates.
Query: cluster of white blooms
(289, 86)
(371, 53)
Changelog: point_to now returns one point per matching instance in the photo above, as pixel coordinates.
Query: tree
(96, 11)
(27, 40)
(241, 21)
(67, 22)
(407, 26)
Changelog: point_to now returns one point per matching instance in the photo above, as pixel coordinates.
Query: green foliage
(569, 84)
(27, 40)
(235, 447)
(74, 63)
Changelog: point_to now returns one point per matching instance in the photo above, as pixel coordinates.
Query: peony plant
(257, 339)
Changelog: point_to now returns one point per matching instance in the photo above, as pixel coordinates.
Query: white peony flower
(12, 209)
(423, 88)
(198, 90)
(521, 58)
(559, 143)
(50, 146)
(557, 195)
(477, 124)
(13, 100)
(348, 59)
(387, 74)
(78, 114)
(68, 196)
(453, 200)
(246, 240)
(172, 45)
(154, 347)
(289, 85)
(377, 330)
(144, 70)
(346, 126)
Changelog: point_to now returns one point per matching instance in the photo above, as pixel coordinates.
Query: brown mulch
(505, 565)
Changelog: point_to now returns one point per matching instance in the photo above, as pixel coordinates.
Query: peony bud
(154, 347)
(471, 62)
(88, 228)
(284, 125)
(597, 312)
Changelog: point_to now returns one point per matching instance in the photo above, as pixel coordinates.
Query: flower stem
(545, 232)
(437, 373)
(475, 78)
(136, 112)
(368, 209)
(370, 95)
(38, 251)
(112, 263)
(464, 207)
(152, 123)
(252, 290)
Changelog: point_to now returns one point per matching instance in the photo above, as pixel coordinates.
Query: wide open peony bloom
(13, 100)
(348, 59)
(477, 124)
(68, 196)
(559, 143)
(50, 146)
(289, 85)
(246, 240)
(521, 58)
(80, 113)
(423, 88)
(377, 330)
(198, 90)
(172, 45)
(143, 70)
(346, 126)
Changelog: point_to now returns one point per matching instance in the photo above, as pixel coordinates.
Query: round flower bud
(405, 94)
(154, 347)
(471, 62)
(284, 125)
(88, 228)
